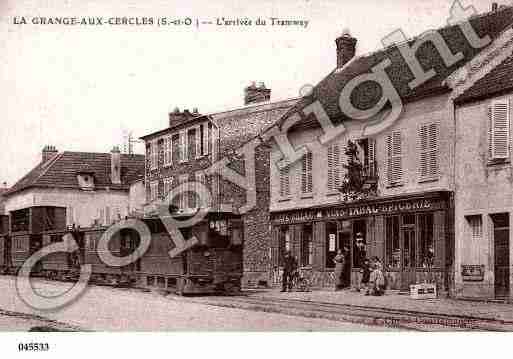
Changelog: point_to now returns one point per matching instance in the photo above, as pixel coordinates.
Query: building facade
(68, 189)
(186, 152)
(484, 192)
(404, 203)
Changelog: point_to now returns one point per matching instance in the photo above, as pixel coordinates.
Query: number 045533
(33, 347)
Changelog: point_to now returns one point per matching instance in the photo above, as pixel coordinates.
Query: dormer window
(85, 178)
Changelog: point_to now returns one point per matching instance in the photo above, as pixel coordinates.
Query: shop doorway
(501, 253)
(409, 263)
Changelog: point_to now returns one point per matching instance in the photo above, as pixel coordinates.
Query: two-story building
(484, 174)
(78, 189)
(403, 208)
(183, 153)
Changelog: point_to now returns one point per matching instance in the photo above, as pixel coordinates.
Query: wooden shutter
(428, 149)
(198, 142)
(394, 158)
(285, 182)
(334, 167)
(183, 146)
(306, 173)
(371, 157)
(433, 149)
(500, 129)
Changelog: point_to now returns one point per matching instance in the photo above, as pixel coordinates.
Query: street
(114, 309)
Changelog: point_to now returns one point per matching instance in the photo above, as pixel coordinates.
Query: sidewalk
(393, 300)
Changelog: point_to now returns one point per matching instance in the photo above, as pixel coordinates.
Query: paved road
(109, 309)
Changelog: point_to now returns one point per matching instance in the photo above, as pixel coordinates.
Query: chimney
(115, 165)
(177, 116)
(495, 6)
(255, 94)
(346, 48)
(48, 153)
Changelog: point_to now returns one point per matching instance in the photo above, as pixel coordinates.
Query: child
(377, 279)
(366, 271)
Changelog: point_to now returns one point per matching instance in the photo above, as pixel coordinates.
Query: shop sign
(472, 272)
(355, 211)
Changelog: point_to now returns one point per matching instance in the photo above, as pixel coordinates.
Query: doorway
(409, 251)
(501, 253)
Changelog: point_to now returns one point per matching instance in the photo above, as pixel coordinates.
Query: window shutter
(500, 129)
(331, 166)
(371, 154)
(214, 136)
(198, 142)
(285, 182)
(334, 167)
(306, 173)
(433, 149)
(423, 165)
(394, 158)
(205, 138)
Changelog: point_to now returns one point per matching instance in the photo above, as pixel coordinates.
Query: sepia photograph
(244, 167)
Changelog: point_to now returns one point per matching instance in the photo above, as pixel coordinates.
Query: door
(409, 251)
(501, 254)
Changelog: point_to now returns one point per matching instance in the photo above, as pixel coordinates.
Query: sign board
(332, 242)
(351, 211)
(472, 272)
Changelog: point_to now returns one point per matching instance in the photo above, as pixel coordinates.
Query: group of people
(370, 278)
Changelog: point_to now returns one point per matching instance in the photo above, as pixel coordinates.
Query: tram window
(331, 243)
(307, 246)
(393, 247)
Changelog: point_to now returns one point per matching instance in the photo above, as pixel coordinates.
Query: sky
(80, 88)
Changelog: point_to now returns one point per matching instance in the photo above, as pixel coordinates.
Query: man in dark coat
(289, 266)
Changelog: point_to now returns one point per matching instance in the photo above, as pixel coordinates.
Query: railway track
(376, 316)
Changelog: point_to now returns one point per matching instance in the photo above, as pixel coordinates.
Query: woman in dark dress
(339, 261)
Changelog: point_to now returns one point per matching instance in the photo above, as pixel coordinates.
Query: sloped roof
(241, 125)
(497, 81)
(61, 171)
(366, 95)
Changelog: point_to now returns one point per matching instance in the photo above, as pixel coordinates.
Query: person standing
(289, 266)
(366, 271)
(339, 261)
(347, 267)
(360, 254)
(377, 279)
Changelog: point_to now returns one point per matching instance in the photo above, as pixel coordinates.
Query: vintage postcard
(236, 166)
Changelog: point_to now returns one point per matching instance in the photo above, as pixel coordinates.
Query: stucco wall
(85, 205)
(481, 189)
(429, 110)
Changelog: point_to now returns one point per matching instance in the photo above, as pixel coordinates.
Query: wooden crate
(423, 291)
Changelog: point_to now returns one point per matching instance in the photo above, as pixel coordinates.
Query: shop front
(410, 234)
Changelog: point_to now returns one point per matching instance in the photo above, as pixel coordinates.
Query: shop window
(307, 246)
(392, 243)
(283, 243)
(426, 240)
(409, 244)
(331, 244)
(475, 226)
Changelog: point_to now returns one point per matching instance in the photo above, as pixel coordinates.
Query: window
(285, 182)
(392, 245)
(283, 243)
(168, 186)
(150, 281)
(183, 146)
(199, 201)
(191, 144)
(154, 187)
(183, 195)
(206, 129)
(368, 146)
(334, 167)
(154, 154)
(168, 151)
(475, 226)
(394, 158)
(198, 141)
(307, 246)
(306, 173)
(428, 162)
(498, 130)
(426, 240)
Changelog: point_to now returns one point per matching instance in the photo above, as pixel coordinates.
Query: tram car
(213, 265)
